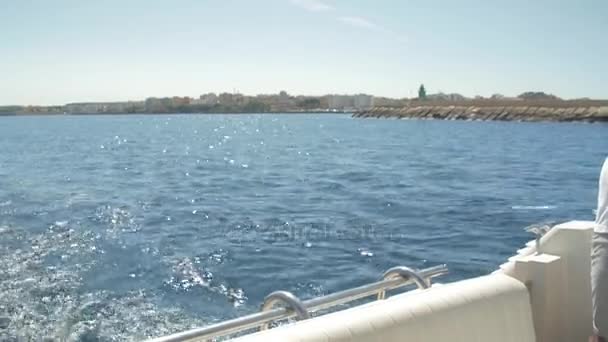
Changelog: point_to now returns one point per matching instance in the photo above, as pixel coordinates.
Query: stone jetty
(594, 111)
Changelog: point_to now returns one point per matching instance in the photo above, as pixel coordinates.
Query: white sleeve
(602, 200)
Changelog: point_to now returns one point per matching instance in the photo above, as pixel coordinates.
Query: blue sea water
(126, 227)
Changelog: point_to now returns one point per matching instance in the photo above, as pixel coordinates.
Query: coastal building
(232, 99)
(363, 101)
(341, 102)
(208, 99)
(350, 102)
(154, 105)
(166, 104)
(240, 99)
(177, 101)
(104, 107)
(445, 97)
(84, 108)
(225, 99)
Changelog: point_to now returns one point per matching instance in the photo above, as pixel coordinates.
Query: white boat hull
(538, 295)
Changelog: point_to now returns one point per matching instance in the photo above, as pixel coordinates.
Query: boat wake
(43, 292)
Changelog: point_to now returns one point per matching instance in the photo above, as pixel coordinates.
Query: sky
(61, 51)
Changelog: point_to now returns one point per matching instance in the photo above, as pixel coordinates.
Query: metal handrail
(292, 302)
(404, 273)
(260, 319)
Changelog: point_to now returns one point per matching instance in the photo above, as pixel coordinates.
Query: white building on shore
(104, 107)
(209, 99)
(350, 102)
(363, 101)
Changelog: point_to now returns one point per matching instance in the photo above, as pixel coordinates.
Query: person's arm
(602, 201)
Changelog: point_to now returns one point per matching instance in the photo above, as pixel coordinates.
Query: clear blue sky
(53, 52)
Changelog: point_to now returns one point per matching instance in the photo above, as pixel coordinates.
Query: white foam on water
(40, 301)
(534, 207)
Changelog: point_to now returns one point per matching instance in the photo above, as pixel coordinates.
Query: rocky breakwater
(592, 112)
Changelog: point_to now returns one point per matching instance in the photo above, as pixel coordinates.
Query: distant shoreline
(173, 113)
(469, 110)
(362, 104)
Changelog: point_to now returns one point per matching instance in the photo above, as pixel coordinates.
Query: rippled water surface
(125, 227)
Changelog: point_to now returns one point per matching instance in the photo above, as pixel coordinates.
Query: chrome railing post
(404, 273)
(291, 302)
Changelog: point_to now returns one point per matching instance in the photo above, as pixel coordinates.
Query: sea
(125, 227)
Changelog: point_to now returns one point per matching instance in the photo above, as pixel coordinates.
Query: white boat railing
(293, 307)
